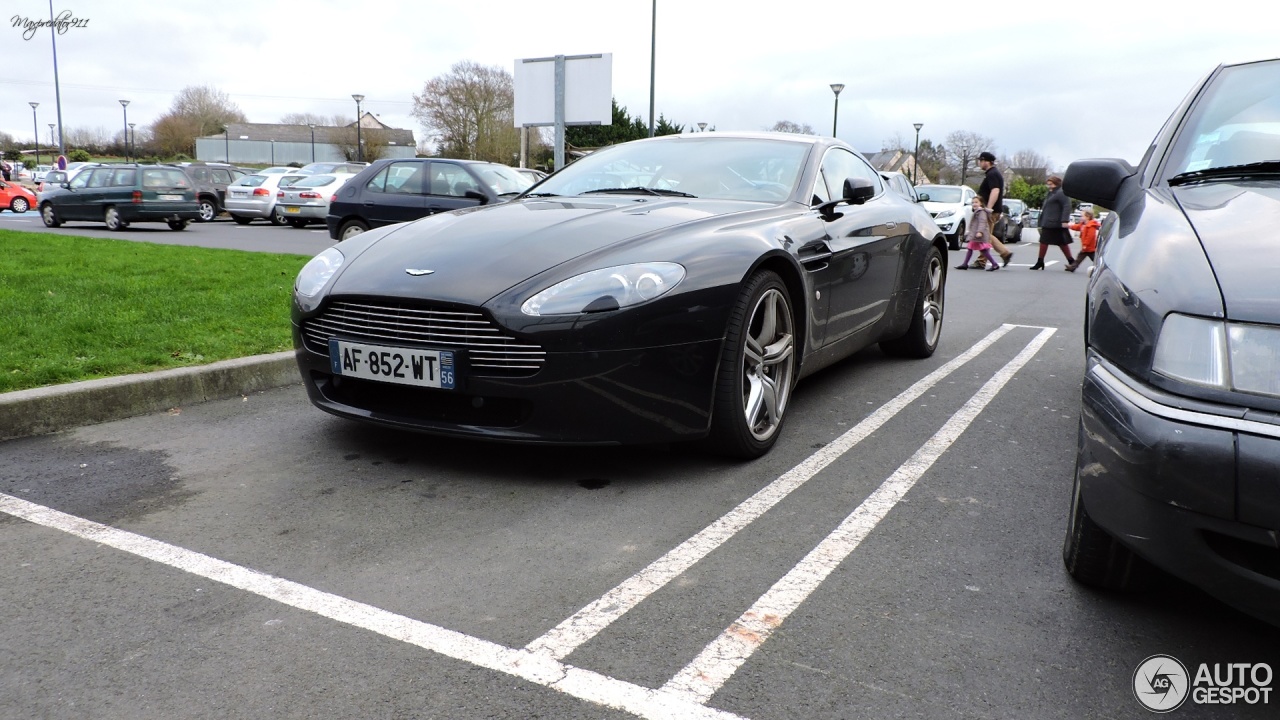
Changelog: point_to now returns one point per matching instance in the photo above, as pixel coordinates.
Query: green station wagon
(121, 194)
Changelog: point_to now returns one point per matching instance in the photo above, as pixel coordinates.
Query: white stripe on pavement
(700, 679)
(585, 624)
(576, 682)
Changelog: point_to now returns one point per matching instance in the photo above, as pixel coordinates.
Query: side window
(406, 177)
(840, 164)
(378, 183)
(222, 176)
(81, 179)
(450, 179)
(124, 177)
(100, 177)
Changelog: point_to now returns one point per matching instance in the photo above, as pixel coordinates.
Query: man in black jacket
(992, 194)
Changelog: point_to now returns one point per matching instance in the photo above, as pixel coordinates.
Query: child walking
(1088, 229)
(979, 237)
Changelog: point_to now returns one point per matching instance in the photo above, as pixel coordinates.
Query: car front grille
(489, 352)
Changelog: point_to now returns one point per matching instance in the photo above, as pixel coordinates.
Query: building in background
(270, 144)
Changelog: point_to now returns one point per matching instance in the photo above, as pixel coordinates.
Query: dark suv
(397, 190)
(211, 181)
(120, 194)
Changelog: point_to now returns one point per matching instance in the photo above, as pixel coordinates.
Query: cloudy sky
(1067, 79)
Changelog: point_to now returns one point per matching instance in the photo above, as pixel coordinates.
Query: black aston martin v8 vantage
(668, 289)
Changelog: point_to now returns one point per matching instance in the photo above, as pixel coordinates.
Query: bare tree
(472, 110)
(963, 147)
(895, 143)
(209, 108)
(306, 118)
(1029, 165)
(790, 127)
(374, 139)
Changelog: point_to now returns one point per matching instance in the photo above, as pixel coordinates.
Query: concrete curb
(50, 409)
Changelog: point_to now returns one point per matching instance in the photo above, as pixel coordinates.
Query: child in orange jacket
(1088, 229)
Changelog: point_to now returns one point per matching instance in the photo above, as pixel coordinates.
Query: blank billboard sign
(588, 90)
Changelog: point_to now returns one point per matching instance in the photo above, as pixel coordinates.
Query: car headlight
(606, 289)
(946, 214)
(1228, 356)
(316, 273)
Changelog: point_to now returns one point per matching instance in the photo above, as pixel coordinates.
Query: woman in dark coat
(1055, 216)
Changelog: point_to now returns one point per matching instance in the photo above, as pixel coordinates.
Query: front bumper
(1189, 486)
(948, 225)
(647, 395)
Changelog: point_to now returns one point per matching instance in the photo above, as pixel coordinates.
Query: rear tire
(277, 219)
(299, 224)
(1093, 557)
(351, 228)
(922, 337)
(241, 220)
(19, 205)
(757, 370)
(111, 217)
(208, 210)
(49, 217)
(178, 224)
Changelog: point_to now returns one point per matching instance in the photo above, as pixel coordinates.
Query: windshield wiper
(638, 189)
(1266, 167)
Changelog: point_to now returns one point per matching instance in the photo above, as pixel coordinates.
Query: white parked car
(307, 201)
(253, 197)
(951, 207)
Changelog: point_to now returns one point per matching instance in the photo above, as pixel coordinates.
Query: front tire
(299, 224)
(241, 220)
(277, 218)
(178, 224)
(757, 370)
(1093, 557)
(19, 205)
(922, 337)
(208, 210)
(49, 217)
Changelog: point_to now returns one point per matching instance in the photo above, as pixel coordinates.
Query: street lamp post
(835, 121)
(359, 144)
(52, 141)
(35, 127)
(124, 105)
(133, 147)
(915, 159)
(226, 143)
(313, 142)
(273, 151)
(702, 127)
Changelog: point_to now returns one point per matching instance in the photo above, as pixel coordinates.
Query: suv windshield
(726, 168)
(1236, 122)
(940, 193)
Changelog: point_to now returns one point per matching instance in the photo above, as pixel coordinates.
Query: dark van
(121, 194)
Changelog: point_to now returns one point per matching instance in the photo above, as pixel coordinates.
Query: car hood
(935, 207)
(475, 254)
(1236, 223)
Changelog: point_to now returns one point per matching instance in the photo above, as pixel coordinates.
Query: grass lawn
(77, 308)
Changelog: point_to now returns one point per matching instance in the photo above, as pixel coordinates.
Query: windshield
(1015, 207)
(1236, 122)
(940, 193)
(727, 168)
(250, 181)
(502, 179)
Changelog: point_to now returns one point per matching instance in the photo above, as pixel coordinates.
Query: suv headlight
(316, 273)
(945, 214)
(606, 289)
(1227, 356)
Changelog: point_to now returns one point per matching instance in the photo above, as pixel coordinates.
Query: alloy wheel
(768, 364)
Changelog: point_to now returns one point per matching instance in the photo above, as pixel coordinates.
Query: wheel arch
(792, 275)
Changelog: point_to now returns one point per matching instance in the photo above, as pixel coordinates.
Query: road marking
(576, 682)
(700, 679)
(585, 624)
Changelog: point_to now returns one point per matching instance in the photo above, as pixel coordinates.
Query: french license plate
(293, 209)
(404, 366)
(170, 197)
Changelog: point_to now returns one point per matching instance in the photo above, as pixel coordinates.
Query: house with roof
(271, 144)
(897, 161)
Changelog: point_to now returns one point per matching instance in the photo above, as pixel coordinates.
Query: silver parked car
(254, 197)
(307, 201)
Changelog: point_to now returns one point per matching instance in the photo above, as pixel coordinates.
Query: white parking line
(585, 624)
(700, 679)
(539, 669)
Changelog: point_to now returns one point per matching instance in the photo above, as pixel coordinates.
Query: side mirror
(66, 185)
(477, 195)
(1096, 181)
(924, 197)
(858, 190)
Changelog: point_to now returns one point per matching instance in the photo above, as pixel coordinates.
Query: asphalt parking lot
(896, 555)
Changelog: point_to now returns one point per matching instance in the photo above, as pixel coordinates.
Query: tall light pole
(359, 146)
(915, 159)
(653, 60)
(124, 105)
(133, 147)
(35, 127)
(702, 127)
(835, 121)
(226, 143)
(52, 141)
(313, 142)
